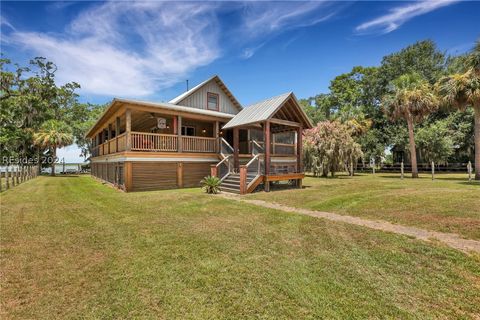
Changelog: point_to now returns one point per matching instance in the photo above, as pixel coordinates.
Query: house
(141, 145)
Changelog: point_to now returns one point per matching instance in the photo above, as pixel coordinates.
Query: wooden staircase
(231, 183)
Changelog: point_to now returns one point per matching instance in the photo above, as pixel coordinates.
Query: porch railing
(198, 144)
(142, 141)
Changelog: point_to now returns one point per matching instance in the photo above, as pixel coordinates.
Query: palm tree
(52, 135)
(411, 98)
(462, 91)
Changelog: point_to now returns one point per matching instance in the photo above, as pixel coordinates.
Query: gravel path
(451, 239)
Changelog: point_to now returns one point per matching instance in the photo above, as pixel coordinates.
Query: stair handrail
(225, 143)
(258, 173)
(258, 145)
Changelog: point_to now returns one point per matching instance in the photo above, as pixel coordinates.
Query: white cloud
(399, 15)
(137, 48)
(129, 49)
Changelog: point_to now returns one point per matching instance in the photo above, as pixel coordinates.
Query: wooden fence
(14, 176)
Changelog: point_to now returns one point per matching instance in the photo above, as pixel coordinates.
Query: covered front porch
(274, 128)
(148, 130)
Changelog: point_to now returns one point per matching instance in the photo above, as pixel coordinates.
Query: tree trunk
(54, 160)
(413, 149)
(476, 110)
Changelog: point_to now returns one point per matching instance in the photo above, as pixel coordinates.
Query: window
(188, 131)
(212, 101)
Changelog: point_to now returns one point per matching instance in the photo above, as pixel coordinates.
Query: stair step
(230, 185)
(230, 190)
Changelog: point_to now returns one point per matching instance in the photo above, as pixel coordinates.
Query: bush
(211, 185)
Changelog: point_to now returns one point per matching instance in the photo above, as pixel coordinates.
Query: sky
(148, 49)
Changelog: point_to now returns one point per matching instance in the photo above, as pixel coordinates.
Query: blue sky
(146, 50)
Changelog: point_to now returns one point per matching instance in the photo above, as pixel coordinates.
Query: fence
(13, 176)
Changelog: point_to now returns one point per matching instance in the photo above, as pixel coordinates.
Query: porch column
(266, 133)
(299, 149)
(174, 125)
(236, 161)
(179, 134)
(217, 136)
(299, 154)
(117, 132)
(128, 129)
(109, 136)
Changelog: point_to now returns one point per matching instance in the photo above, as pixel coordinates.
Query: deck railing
(198, 144)
(142, 141)
(121, 142)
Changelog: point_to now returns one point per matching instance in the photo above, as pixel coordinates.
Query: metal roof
(175, 107)
(220, 83)
(262, 111)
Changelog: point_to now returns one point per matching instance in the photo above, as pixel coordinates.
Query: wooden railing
(121, 142)
(142, 141)
(112, 145)
(198, 144)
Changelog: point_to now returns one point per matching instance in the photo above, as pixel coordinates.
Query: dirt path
(451, 239)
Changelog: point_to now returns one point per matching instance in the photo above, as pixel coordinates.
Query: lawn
(448, 204)
(74, 248)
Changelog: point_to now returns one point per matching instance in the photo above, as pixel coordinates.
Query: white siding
(198, 99)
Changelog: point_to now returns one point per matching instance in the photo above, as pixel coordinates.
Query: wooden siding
(153, 175)
(194, 172)
(198, 99)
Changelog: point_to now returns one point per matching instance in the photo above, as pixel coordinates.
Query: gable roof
(266, 109)
(219, 82)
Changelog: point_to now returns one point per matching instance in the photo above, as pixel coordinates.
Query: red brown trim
(218, 100)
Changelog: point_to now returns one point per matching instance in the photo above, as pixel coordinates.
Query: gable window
(212, 101)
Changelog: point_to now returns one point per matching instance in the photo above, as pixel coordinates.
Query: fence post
(433, 170)
(469, 169)
(17, 175)
(7, 177)
(1, 174)
(13, 177)
(401, 170)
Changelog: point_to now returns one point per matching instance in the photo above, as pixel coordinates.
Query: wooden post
(109, 137)
(469, 169)
(243, 179)
(236, 160)
(128, 129)
(266, 133)
(127, 176)
(17, 175)
(217, 137)
(299, 149)
(180, 175)
(401, 170)
(13, 177)
(7, 186)
(179, 134)
(1, 175)
(433, 170)
(117, 132)
(213, 170)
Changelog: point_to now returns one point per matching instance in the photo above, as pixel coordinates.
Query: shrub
(211, 185)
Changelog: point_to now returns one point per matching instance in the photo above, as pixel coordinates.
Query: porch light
(204, 130)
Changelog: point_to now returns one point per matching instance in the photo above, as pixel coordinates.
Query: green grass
(448, 204)
(73, 248)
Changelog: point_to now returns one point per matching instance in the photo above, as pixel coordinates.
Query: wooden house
(139, 145)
